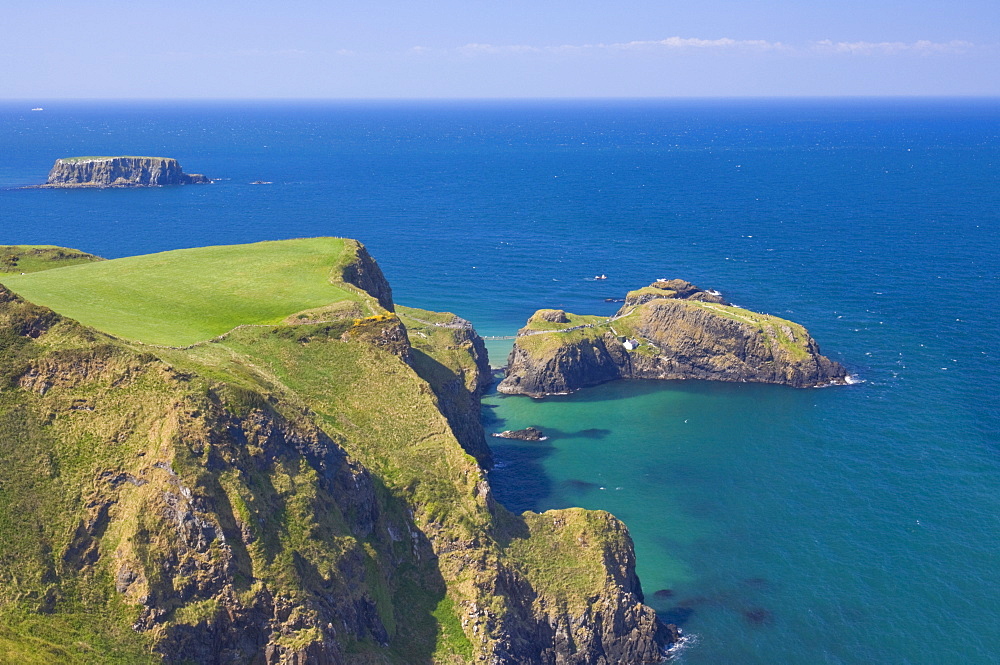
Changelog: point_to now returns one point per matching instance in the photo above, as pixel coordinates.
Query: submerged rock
(120, 172)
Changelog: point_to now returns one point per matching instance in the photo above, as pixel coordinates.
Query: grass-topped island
(669, 330)
(236, 455)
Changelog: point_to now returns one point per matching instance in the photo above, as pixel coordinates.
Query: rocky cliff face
(288, 495)
(579, 363)
(575, 632)
(363, 272)
(120, 172)
(675, 331)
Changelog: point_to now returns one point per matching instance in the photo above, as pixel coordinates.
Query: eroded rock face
(120, 172)
(699, 343)
(567, 367)
(364, 273)
(670, 330)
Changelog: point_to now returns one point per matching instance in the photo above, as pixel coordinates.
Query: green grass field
(190, 295)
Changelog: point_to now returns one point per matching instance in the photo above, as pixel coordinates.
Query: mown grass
(134, 410)
(189, 295)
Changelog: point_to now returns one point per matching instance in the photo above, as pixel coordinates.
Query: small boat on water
(38, 108)
(602, 276)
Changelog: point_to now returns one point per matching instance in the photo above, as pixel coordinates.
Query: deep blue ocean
(848, 525)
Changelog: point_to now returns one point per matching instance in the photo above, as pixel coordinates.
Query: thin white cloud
(492, 49)
(280, 53)
(671, 43)
(890, 48)
(695, 43)
(722, 44)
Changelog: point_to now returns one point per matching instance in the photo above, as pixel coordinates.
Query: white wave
(677, 649)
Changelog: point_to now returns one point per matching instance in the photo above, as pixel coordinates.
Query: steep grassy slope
(288, 494)
(191, 295)
(451, 357)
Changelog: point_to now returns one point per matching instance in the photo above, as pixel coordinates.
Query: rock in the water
(669, 330)
(526, 434)
(120, 172)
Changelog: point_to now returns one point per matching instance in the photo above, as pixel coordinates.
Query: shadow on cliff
(459, 406)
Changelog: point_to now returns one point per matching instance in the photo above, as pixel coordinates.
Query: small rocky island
(120, 172)
(668, 330)
(526, 434)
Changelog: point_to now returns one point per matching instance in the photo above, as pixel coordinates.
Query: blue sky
(475, 49)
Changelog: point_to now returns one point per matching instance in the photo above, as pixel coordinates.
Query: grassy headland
(163, 504)
(190, 295)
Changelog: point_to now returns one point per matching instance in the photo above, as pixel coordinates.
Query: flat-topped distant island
(120, 171)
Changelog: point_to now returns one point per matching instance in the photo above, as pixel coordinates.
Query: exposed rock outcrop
(363, 272)
(669, 330)
(120, 172)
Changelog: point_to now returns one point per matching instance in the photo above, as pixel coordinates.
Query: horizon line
(963, 96)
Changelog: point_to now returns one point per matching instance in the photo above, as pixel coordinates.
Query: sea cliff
(668, 330)
(119, 172)
(303, 493)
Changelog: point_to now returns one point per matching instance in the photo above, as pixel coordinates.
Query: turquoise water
(842, 525)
